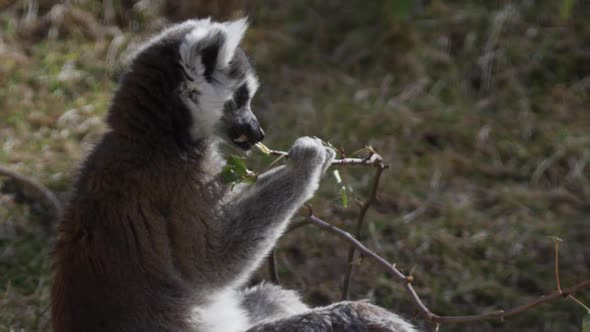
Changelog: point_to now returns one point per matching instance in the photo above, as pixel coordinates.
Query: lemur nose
(256, 133)
(252, 131)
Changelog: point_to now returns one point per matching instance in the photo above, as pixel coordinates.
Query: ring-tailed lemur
(152, 240)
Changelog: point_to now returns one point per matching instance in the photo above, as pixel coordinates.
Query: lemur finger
(307, 150)
(330, 156)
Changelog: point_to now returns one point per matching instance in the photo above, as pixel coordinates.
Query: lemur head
(201, 81)
(220, 82)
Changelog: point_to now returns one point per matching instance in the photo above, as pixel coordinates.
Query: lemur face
(219, 83)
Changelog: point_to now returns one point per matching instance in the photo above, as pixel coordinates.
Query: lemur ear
(234, 32)
(211, 46)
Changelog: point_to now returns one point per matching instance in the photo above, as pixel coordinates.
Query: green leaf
(228, 175)
(238, 163)
(586, 323)
(235, 171)
(343, 192)
(344, 197)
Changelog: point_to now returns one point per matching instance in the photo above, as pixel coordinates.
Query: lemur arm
(343, 316)
(260, 213)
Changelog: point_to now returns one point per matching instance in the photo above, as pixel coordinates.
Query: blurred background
(481, 108)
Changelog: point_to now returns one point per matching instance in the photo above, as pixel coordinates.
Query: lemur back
(152, 239)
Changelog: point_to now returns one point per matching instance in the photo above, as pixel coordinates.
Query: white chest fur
(223, 313)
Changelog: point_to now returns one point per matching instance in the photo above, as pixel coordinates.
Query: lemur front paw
(311, 153)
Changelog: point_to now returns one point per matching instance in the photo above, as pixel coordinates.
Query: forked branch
(359, 227)
(408, 279)
(375, 160)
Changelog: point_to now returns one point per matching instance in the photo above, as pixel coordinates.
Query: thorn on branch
(309, 209)
(342, 153)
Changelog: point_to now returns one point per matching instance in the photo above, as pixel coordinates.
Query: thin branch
(45, 195)
(273, 273)
(359, 227)
(272, 268)
(373, 160)
(571, 297)
(407, 281)
(376, 161)
(297, 225)
(556, 241)
(359, 246)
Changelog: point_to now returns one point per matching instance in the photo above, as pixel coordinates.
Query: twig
(273, 273)
(359, 227)
(556, 241)
(571, 297)
(407, 281)
(272, 268)
(46, 196)
(376, 161)
(373, 160)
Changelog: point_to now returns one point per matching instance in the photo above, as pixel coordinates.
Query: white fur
(252, 82)
(223, 313)
(190, 60)
(234, 32)
(207, 110)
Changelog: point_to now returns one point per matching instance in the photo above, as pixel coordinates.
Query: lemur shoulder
(152, 239)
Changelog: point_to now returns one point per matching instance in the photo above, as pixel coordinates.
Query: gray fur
(343, 316)
(152, 239)
(265, 302)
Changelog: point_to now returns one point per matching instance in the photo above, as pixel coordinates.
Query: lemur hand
(309, 154)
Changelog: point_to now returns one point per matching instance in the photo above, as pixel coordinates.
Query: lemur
(152, 239)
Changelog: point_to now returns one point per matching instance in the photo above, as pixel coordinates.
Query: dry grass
(480, 109)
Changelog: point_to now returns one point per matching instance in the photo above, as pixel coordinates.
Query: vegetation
(481, 109)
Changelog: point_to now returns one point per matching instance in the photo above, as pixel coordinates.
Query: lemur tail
(359, 316)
